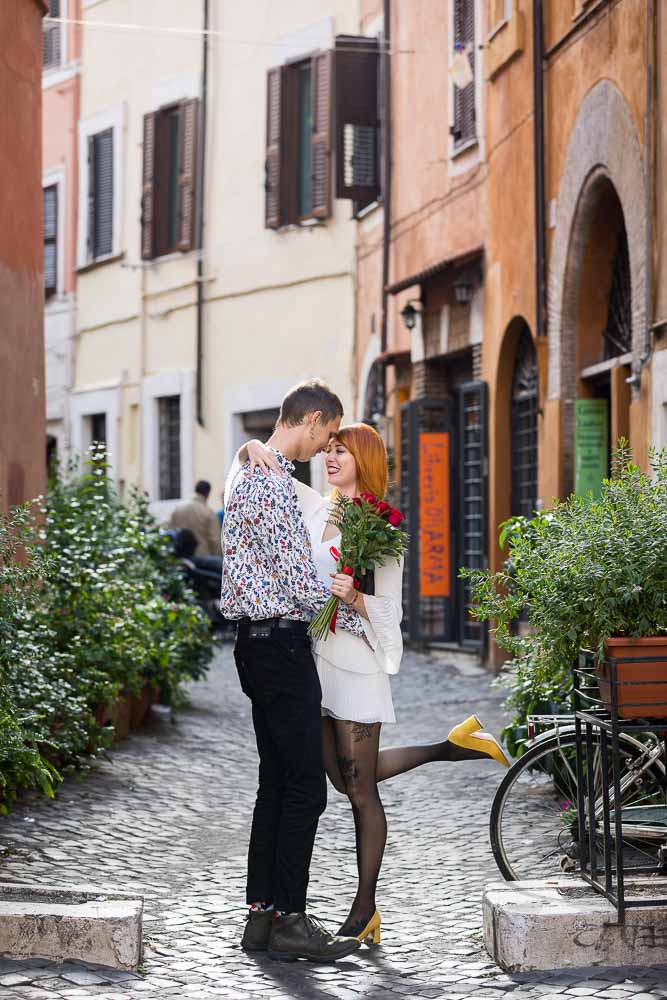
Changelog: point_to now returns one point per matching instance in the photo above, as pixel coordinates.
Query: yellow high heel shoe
(470, 735)
(372, 933)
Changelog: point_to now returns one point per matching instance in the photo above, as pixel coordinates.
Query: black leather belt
(265, 627)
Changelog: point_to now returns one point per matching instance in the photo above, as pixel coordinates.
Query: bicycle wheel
(534, 825)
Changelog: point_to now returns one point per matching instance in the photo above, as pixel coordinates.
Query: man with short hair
(271, 587)
(196, 515)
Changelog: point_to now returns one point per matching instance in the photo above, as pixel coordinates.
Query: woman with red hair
(355, 672)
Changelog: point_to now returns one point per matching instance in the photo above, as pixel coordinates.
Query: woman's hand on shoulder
(260, 457)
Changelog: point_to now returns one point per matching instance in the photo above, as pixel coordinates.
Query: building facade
(515, 332)
(22, 461)
(61, 94)
(215, 263)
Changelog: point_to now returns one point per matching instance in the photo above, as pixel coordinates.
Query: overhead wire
(213, 33)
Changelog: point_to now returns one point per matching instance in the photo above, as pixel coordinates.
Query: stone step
(76, 923)
(563, 923)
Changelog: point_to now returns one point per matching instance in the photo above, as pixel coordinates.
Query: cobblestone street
(168, 818)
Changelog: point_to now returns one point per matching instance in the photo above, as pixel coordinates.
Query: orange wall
(22, 432)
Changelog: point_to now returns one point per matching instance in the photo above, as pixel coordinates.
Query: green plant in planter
(23, 568)
(584, 571)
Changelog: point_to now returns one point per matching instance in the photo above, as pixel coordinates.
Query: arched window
(523, 427)
(618, 331)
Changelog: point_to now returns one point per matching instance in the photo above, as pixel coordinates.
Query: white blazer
(384, 649)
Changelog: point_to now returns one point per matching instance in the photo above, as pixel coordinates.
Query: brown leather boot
(257, 930)
(298, 935)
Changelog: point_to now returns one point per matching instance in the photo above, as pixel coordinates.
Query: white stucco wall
(280, 305)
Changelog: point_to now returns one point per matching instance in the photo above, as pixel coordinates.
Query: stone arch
(603, 149)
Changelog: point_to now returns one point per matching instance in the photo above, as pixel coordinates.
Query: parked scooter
(203, 573)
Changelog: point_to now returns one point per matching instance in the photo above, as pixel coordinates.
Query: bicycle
(534, 823)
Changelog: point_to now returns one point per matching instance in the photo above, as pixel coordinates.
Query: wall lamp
(409, 314)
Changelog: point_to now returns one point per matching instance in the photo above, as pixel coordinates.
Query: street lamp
(409, 315)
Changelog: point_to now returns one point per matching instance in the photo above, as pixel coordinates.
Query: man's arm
(280, 526)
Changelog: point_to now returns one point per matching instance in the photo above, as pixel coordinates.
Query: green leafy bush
(95, 608)
(584, 571)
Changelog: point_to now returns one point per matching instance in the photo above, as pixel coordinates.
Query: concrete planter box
(564, 924)
(71, 923)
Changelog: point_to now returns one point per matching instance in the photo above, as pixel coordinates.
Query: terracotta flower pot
(641, 687)
(121, 717)
(139, 707)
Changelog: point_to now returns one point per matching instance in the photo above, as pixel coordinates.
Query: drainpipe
(386, 186)
(201, 182)
(651, 28)
(538, 132)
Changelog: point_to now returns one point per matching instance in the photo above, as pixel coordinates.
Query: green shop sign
(591, 445)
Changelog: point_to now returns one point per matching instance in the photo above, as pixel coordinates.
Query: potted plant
(589, 573)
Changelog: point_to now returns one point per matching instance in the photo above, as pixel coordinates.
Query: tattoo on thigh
(361, 731)
(348, 768)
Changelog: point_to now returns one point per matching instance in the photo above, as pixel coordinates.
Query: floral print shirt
(267, 560)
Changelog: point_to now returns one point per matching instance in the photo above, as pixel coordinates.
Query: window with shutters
(169, 447)
(100, 195)
(100, 188)
(50, 197)
(357, 119)
(297, 180)
(53, 37)
(169, 179)
(463, 129)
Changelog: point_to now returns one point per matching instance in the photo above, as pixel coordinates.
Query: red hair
(368, 450)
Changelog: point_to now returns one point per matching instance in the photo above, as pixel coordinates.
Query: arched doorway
(597, 293)
(523, 427)
(602, 334)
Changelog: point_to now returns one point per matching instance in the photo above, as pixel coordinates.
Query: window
(357, 119)
(100, 190)
(305, 140)
(52, 35)
(499, 12)
(100, 207)
(169, 447)
(169, 180)
(298, 142)
(98, 428)
(50, 196)
(463, 130)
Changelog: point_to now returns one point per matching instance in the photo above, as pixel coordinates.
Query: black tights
(355, 766)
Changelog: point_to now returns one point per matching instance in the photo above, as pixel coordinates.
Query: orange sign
(434, 526)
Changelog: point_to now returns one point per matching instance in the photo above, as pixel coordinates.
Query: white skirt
(355, 697)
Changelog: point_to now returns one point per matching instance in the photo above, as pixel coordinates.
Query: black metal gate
(471, 481)
(523, 428)
(426, 468)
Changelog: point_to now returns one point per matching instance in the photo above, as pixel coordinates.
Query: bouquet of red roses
(370, 534)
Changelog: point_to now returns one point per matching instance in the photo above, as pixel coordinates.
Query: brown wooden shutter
(187, 174)
(322, 82)
(148, 189)
(464, 128)
(274, 179)
(357, 123)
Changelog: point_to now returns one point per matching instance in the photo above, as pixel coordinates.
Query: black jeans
(278, 674)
